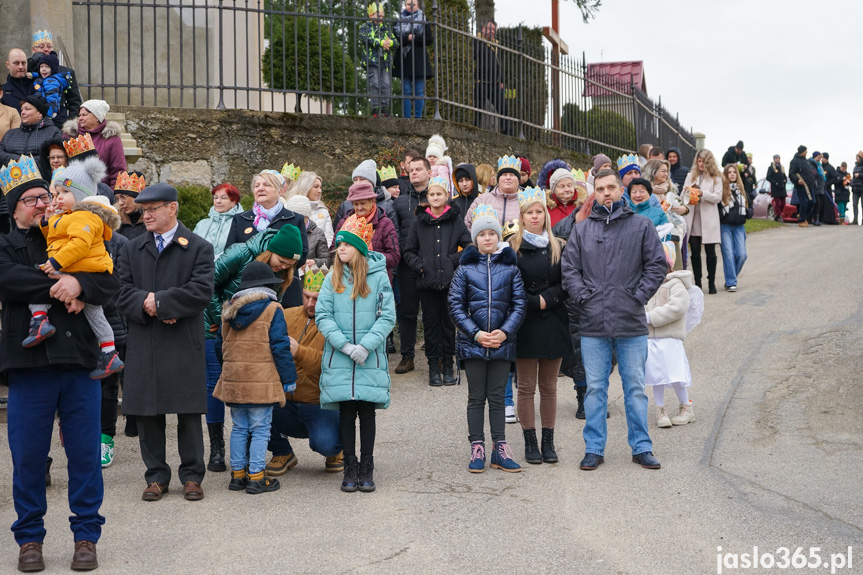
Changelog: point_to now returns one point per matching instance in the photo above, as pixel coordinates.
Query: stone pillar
(14, 29)
(56, 16)
(699, 141)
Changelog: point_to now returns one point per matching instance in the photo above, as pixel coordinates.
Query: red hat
(525, 165)
(362, 190)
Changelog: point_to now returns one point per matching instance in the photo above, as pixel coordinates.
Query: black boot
(366, 477)
(579, 394)
(711, 273)
(695, 259)
(391, 344)
(447, 371)
(352, 469)
(434, 373)
(217, 447)
(548, 453)
(531, 449)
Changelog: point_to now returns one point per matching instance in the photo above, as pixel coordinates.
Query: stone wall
(207, 147)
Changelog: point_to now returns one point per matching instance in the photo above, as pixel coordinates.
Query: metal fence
(311, 56)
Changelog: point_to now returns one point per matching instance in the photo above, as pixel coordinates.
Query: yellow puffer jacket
(76, 239)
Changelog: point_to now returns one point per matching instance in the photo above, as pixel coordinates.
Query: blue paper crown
(40, 36)
(509, 162)
(17, 172)
(438, 181)
(624, 161)
(484, 210)
(529, 196)
(55, 175)
(279, 177)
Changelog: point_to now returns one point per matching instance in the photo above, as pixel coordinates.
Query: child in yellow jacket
(76, 236)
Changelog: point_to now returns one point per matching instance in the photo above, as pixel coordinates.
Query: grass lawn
(754, 225)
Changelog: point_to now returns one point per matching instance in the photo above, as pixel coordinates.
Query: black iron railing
(306, 56)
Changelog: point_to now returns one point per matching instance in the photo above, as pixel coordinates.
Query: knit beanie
(81, 177)
(436, 147)
(52, 60)
(485, 222)
(642, 182)
(525, 165)
(300, 205)
(287, 243)
(556, 177)
(98, 108)
(37, 102)
(368, 170)
(801, 149)
(599, 160)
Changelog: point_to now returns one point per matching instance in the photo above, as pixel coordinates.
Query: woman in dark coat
(543, 339)
(34, 137)
(840, 190)
(777, 178)
(413, 66)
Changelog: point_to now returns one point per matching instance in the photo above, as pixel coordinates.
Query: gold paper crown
(624, 161)
(358, 226)
(127, 182)
(16, 173)
(387, 173)
(40, 36)
(375, 7)
(291, 171)
(510, 228)
(509, 162)
(483, 210)
(314, 278)
(438, 181)
(79, 145)
(529, 196)
(578, 176)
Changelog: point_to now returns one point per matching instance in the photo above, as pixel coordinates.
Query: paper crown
(438, 181)
(40, 36)
(80, 145)
(510, 228)
(291, 171)
(279, 177)
(529, 196)
(55, 175)
(375, 7)
(314, 278)
(624, 161)
(358, 226)
(483, 210)
(578, 176)
(512, 162)
(127, 182)
(18, 172)
(387, 173)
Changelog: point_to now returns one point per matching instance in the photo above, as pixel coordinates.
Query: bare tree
(484, 9)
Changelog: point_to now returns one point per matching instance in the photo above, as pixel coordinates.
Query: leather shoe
(405, 365)
(30, 557)
(591, 461)
(84, 558)
(192, 491)
(154, 491)
(646, 460)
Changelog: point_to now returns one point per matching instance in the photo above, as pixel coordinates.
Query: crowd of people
(287, 313)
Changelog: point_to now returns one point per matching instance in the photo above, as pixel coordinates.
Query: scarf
(429, 212)
(736, 198)
(271, 294)
(660, 188)
(264, 217)
(537, 240)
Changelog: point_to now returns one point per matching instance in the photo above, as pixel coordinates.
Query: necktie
(160, 243)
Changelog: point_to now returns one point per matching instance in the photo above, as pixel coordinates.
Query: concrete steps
(130, 146)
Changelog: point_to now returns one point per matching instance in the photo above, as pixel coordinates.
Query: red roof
(622, 74)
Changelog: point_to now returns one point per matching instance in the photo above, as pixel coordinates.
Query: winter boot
(352, 469)
(531, 450)
(477, 457)
(366, 477)
(217, 447)
(391, 344)
(434, 373)
(662, 419)
(711, 273)
(549, 455)
(40, 330)
(260, 483)
(685, 414)
(109, 363)
(239, 480)
(696, 266)
(448, 376)
(501, 458)
(579, 394)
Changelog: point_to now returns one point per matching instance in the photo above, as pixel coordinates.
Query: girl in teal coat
(355, 313)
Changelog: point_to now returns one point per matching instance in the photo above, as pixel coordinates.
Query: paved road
(774, 459)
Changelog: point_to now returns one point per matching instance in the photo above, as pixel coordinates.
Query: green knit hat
(287, 243)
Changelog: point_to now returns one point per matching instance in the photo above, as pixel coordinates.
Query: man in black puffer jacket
(857, 186)
(800, 174)
(678, 170)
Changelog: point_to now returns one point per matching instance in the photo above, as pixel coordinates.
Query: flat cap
(157, 193)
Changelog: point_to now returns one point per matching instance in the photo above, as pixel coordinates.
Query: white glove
(359, 354)
(348, 349)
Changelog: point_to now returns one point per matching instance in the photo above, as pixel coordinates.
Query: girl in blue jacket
(487, 303)
(355, 313)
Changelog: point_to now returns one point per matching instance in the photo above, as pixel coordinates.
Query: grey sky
(774, 73)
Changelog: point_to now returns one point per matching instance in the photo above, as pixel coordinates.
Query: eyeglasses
(30, 201)
(152, 211)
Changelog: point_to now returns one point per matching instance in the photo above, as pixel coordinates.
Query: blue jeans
(733, 251)
(631, 357)
(255, 422)
(215, 407)
(35, 396)
(305, 420)
(413, 87)
(507, 394)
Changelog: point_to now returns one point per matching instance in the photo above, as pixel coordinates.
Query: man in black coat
(50, 378)
(735, 155)
(17, 86)
(166, 281)
(405, 211)
(777, 178)
(70, 102)
(801, 174)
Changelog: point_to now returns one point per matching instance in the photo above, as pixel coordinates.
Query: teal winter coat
(365, 321)
(215, 227)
